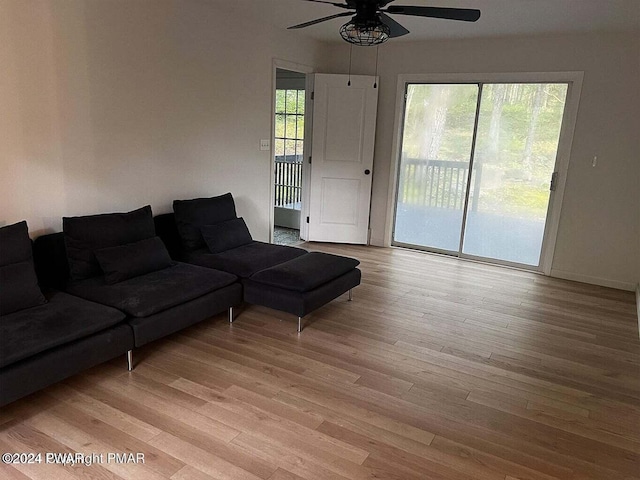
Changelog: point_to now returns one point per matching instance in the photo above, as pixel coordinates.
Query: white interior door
(344, 124)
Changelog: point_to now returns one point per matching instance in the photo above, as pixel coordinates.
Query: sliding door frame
(574, 81)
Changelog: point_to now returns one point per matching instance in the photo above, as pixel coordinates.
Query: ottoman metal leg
(299, 324)
(350, 294)
(230, 314)
(130, 360)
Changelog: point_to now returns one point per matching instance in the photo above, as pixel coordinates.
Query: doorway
(478, 169)
(289, 132)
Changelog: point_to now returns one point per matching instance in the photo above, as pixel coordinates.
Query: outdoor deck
(507, 238)
(430, 209)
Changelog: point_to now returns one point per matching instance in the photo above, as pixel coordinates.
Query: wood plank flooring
(438, 369)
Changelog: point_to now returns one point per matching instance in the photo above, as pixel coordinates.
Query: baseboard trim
(603, 282)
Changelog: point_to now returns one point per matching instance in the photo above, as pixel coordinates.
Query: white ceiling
(499, 17)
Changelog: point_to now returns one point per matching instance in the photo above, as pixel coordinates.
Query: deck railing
(288, 181)
(423, 182)
(437, 183)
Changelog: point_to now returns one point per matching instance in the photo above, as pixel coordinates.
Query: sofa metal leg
(130, 360)
(350, 294)
(299, 324)
(230, 314)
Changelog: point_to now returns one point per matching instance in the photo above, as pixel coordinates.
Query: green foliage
(516, 145)
(289, 122)
(516, 199)
(290, 101)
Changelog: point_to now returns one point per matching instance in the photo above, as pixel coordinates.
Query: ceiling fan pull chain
(375, 83)
(350, 55)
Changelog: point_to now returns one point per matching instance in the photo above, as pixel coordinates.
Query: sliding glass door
(475, 168)
(434, 168)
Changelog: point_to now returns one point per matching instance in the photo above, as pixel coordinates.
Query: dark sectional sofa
(110, 284)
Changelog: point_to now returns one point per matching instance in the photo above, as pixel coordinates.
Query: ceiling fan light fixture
(365, 34)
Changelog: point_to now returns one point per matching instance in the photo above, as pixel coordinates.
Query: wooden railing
(437, 183)
(288, 181)
(430, 183)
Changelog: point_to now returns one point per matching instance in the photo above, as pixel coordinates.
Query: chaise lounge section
(211, 235)
(303, 284)
(207, 232)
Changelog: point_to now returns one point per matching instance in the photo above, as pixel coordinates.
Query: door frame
(308, 116)
(565, 142)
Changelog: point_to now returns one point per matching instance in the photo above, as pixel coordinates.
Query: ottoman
(303, 284)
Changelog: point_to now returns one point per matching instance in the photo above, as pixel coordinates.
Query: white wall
(111, 105)
(599, 235)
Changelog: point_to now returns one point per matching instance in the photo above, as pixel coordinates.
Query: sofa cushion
(246, 260)
(19, 288)
(306, 273)
(63, 319)
(15, 244)
(153, 327)
(226, 235)
(133, 259)
(18, 282)
(153, 292)
(299, 303)
(192, 215)
(84, 235)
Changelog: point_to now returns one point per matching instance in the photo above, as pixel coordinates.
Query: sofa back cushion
(84, 235)
(224, 236)
(18, 282)
(133, 259)
(166, 229)
(15, 244)
(192, 215)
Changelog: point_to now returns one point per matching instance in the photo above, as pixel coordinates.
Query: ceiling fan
(372, 26)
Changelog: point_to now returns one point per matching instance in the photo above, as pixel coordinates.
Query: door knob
(367, 172)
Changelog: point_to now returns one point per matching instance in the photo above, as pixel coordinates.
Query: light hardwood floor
(438, 369)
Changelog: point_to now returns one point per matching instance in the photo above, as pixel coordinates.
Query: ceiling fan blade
(319, 20)
(397, 30)
(464, 14)
(339, 5)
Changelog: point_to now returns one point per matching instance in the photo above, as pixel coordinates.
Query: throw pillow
(132, 260)
(226, 235)
(19, 288)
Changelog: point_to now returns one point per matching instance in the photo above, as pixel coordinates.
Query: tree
(538, 100)
(498, 94)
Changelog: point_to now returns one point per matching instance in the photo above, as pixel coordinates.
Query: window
(289, 145)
